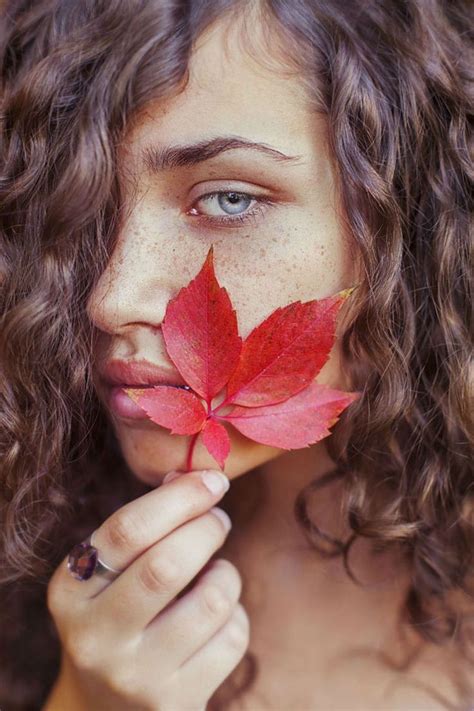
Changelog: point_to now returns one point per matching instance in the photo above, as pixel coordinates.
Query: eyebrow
(157, 159)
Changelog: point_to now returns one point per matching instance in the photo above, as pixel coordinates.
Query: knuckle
(124, 532)
(82, 649)
(125, 681)
(159, 573)
(222, 579)
(214, 526)
(229, 573)
(58, 598)
(241, 613)
(238, 629)
(53, 597)
(215, 600)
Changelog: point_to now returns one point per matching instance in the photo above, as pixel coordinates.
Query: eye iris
(235, 199)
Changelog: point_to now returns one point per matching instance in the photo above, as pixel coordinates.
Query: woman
(344, 581)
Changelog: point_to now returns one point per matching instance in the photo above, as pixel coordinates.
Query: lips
(123, 405)
(137, 374)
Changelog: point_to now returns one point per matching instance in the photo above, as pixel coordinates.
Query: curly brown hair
(395, 79)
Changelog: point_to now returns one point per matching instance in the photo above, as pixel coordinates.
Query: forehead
(235, 87)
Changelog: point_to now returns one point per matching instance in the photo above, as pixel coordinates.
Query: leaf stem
(189, 458)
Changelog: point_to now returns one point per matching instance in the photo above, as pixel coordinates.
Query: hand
(131, 644)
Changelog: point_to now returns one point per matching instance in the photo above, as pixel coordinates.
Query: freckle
(262, 252)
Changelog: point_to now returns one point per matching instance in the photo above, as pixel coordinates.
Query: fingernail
(223, 516)
(216, 482)
(170, 476)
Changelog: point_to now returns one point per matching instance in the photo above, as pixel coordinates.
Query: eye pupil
(231, 199)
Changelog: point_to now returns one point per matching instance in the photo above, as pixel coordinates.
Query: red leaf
(200, 333)
(269, 378)
(216, 440)
(284, 353)
(299, 421)
(179, 410)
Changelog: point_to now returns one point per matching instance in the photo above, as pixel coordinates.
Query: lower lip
(123, 405)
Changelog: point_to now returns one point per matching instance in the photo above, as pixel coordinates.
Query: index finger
(141, 523)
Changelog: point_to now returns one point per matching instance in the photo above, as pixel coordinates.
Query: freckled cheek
(303, 258)
(264, 288)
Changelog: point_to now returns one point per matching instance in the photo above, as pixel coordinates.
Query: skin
(296, 249)
(293, 250)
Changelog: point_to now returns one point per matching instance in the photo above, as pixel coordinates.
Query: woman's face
(266, 254)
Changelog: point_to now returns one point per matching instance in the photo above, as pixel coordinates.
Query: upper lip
(136, 373)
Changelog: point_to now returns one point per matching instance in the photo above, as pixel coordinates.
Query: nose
(133, 289)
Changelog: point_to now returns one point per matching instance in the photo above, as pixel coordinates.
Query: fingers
(133, 636)
(191, 621)
(141, 523)
(151, 582)
(208, 668)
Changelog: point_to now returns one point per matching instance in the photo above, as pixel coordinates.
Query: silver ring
(102, 568)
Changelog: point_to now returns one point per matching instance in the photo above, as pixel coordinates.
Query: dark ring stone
(82, 560)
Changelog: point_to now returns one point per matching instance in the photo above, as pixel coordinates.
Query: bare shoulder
(428, 684)
(408, 675)
(432, 683)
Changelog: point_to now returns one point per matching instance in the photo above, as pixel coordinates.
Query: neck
(278, 561)
(262, 503)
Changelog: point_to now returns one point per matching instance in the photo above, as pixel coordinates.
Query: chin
(151, 453)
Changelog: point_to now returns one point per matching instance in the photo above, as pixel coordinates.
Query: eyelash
(236, 220)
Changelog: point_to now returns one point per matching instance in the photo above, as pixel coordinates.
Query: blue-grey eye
(234, 202)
